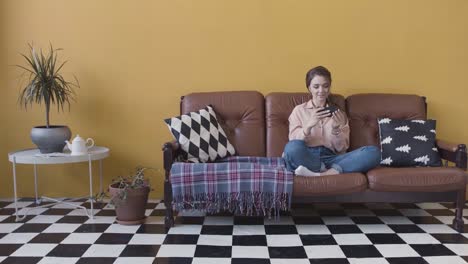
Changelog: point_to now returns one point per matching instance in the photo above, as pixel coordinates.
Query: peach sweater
(321, 133)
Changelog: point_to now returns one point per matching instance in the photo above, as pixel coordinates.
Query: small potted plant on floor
(47, 85)
(129, 195)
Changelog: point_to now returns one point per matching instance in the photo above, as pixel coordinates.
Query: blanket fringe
(243, 203)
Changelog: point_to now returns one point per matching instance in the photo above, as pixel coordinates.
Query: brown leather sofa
(257, 125)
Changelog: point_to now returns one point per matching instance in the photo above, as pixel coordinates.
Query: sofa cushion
(329, 185)
(407, 143)
(364, 109)
(278, 108)
(417, 179)
(241, 115)
(200, 136)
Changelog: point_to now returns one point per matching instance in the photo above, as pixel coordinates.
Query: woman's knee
(294, 146)
(372, 155)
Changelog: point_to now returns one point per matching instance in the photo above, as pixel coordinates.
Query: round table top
(33, 156)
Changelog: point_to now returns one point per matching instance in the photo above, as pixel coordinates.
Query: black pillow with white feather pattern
(408, 143)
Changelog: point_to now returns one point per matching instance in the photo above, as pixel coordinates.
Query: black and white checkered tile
(320, 233)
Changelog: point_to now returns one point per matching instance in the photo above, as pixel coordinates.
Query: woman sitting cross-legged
(319, 138)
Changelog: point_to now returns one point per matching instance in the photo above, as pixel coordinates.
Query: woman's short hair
(319, 70)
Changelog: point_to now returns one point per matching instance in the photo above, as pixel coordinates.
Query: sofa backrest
(240, 113)
(278, 107)
(364, 109)
(244, 115)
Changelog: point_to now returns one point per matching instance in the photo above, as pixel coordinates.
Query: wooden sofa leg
(458, 221)
(169, 219)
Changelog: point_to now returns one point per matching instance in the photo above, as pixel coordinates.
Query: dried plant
(135, 180)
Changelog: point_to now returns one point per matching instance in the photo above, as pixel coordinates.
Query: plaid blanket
(241, 185)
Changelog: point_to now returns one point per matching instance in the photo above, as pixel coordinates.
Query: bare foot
(303, 171)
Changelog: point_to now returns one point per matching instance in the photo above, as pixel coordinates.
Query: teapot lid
(78, 138)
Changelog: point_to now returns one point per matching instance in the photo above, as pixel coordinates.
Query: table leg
(14, 190)
(100, 176)
(35, 184)
(90, 164)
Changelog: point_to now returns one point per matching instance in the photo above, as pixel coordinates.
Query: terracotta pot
(130, 211)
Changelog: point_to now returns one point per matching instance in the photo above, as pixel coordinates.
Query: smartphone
(331, 108)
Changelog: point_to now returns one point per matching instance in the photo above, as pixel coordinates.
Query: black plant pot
(51, 139)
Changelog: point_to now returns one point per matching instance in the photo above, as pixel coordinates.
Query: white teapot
(78, 146)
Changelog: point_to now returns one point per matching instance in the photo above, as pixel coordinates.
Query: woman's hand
(315, 116)
(339, 119)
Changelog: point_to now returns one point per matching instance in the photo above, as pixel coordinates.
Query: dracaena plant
(45, 82)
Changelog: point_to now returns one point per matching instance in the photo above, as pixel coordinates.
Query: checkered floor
(321, 233)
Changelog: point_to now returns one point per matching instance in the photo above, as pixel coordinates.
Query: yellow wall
(134, 59)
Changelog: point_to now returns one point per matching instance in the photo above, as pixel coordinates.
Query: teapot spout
(69, 145)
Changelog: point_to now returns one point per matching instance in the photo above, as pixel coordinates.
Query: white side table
(33, 156)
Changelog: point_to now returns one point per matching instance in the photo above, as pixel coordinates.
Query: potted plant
(129, 195)
(46, 85)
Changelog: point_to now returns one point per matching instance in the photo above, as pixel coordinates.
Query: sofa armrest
(170, 151)
(453, 152)
(448, 146)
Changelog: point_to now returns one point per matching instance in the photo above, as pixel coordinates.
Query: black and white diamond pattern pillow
(200, 135)
(408, 143)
